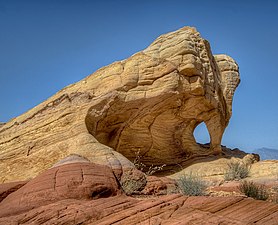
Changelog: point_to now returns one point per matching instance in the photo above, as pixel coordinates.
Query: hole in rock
(201, 134)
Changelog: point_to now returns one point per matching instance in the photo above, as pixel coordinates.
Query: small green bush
(275, 198)
(192, 185)
(256, 191)
(236, 171)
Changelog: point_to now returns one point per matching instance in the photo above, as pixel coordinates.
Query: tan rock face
(150, 102)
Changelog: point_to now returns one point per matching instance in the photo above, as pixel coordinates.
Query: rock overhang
(150, 102)
(179, 85)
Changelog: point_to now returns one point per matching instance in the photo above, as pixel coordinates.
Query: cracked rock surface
(150, 102)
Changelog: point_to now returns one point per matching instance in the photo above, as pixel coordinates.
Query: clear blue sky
(46, 45)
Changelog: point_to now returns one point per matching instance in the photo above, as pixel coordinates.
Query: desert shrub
(256, 191)
(134, 181)
(236, 171)
(274, 194)
(144, 168)
(192, 185)
(153, 169)
(275, 198)
(137, 162)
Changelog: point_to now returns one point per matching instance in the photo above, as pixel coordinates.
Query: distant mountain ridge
(266, 153)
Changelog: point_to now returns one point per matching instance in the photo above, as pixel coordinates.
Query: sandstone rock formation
(150, 102)
(85, 193)
(213, 167)
(70, 181)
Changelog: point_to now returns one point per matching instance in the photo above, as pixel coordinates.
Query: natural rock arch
(150, 102)
(166, 91)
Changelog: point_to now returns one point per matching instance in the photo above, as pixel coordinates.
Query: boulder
(79, 181)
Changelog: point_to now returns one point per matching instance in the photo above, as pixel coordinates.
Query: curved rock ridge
(69, 181)
(72, 158)
(87, 193)
(165, 210)
(149, 103)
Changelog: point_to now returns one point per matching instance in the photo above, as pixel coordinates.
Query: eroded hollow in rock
(153, 101)
(157, 127)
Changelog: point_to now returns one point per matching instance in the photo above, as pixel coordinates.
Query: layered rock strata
(149, 103)
(87, 193)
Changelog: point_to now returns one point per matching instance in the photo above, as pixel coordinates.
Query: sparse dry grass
(143, 167)
(236, 171)
(192, 185)
(253, 190)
